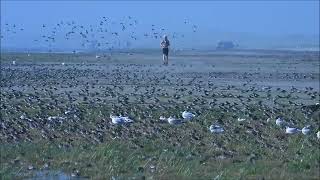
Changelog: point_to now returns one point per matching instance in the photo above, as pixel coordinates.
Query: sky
(248, 23)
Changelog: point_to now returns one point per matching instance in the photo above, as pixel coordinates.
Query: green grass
(121, 158)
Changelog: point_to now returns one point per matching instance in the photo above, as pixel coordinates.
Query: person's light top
(165, 43)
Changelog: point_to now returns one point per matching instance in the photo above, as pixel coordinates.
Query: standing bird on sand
(165, 49)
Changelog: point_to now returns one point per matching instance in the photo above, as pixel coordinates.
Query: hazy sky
(239, 20)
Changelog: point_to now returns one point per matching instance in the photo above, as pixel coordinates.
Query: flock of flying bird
(106, 34)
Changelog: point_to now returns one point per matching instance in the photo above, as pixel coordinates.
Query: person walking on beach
(165, 49)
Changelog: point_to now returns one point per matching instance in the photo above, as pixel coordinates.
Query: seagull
(305, 130)
(116, 120)
(290, 130)
(241, 119)
(62, 64)
(162, 118)
(318, 134)
(216, 129)
(126, 119)
(279, 121)
(120, 119)
(13, 62)
(187, 115)
(67, 112)
(173, 120)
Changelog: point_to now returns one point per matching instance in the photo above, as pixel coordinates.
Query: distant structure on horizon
(226, 45)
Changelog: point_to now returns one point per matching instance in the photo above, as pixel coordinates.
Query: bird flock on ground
(138, 91)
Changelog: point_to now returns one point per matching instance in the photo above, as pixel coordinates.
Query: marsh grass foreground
(123, 160)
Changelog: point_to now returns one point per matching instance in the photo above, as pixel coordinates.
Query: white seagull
(241, 119)
(305, 130)
(13, 62)
(51, 118)
(67, 112)
(172, 120)
(162, 118)
(187, 115)
(120, 119)
(216, 129)
(279, 121)
(318, 134)
(126, 119)
(290, 130)
(116, 120)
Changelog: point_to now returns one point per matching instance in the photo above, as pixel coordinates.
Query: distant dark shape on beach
(226, 45)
